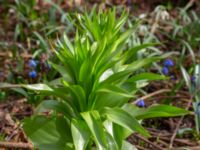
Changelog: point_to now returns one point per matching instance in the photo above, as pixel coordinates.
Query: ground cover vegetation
(115, 76)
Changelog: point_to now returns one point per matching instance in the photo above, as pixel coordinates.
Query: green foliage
(193, 84)
(90, 99)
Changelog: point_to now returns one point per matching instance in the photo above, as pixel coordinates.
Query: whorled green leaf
(95, 125)
(52, 133)
(124, 119)
(121, 21)
(130, 69)
(146, 77)
(128, 146)
(85, 68)
(111, 143)
(131, 53)
(154, 111)
(79, 97)
(80, 133)
(38, 87)
(55, 105)
(110, 96)
(161, 111)
(64, 71)
(68, 43)
(120, 133)
(21, 91)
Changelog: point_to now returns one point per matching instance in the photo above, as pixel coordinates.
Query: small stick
(139, 147)
(162, 142)
(190, 148)
(18, 101)
(160, 134)
(149, 142)
(16, 145)
(189, 4)
(178, 125)
(10, 55)
(171, 97)
(152, 94)
(182, 141)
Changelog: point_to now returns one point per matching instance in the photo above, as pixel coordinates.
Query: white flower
(164, 15)
(142, 16)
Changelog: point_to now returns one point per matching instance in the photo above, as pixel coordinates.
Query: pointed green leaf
(110, 96)
(80, 133)
(96, 127)
(130, 54)
(79, 96)
(38, 87)
(130, 69)
(161, 111)
(111, 143)
(128, 146)
(154, 111)
(48, 133)
(64, 71)
(146, 77)
(57, 106)
(124, 119)
(68, 43)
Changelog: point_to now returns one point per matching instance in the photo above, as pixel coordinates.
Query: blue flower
(140, 103)
(165, 70)
(168, 63)
(32, 63)
(32, 74)
(193, 79)
(172, 77)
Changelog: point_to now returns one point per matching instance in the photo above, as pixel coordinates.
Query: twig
(16, 145)
(12, 103)
(161, 134)
(178, 125)
(170, 97)
(189, 4)
(152, 94)
(162, 142)
(11, 55)
(190, 148)
(182, 141)
(149, 142)
(139, 147)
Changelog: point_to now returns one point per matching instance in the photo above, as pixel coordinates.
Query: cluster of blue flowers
(166, 65)
(44, 66)
(32, 64)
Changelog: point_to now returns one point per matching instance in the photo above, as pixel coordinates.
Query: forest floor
(18, 44)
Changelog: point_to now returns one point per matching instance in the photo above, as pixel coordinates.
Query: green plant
(88, 106)
(193, 84)
(185, 28)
